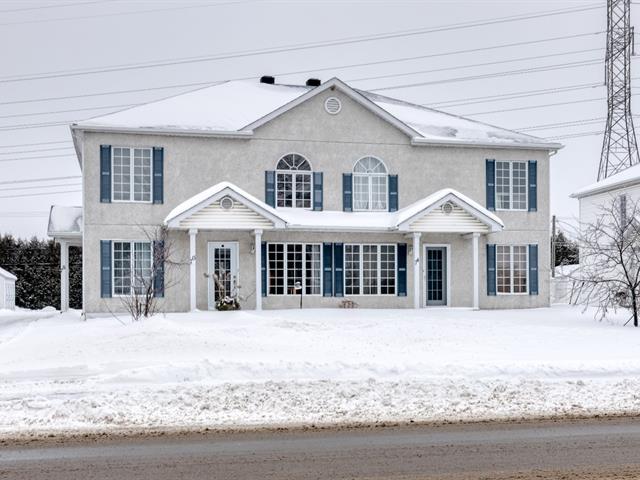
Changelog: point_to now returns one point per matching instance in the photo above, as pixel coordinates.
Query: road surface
(585, 449)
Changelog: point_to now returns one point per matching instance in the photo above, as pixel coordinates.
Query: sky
(68, 44)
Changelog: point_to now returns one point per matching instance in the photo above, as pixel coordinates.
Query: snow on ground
(316, 366)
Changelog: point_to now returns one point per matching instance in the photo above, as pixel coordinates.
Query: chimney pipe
(268, 79)
(313, 82)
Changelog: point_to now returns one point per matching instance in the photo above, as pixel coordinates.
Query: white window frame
(131, 264)
(378, 270)
(369, 176)
(286, 270)
(293, 174)
(511, 270)
(132, 175)
(526, 186)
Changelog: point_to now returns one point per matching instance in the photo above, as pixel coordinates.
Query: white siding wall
(591, 206)
(214, 217)
(457, 221)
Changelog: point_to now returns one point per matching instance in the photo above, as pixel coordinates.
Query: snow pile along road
(315, 366)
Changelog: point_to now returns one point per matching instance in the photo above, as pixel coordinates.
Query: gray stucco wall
(332, 143)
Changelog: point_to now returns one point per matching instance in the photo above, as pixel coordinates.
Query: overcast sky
(41, 37)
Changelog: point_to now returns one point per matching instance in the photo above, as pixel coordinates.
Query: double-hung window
(131, 174)
(511, 185)
(293, 182)
(294, 264)
(132, 267)
(369, 269)
(512, 268)
(370, 185)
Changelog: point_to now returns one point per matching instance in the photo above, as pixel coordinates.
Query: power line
(534, 106)
(32, 144)
(287, 48)
(36, 157)
(23, 214)
(35, 125)
(576, 135)
(59, 5)
(84, 109)
(33, 187)
(36, 151)
(561, 124)
(559, 66)
(41, 194)
(41, 179)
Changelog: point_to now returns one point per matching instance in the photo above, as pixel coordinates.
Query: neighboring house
(346, 193)
(7, 290)
(623, 187)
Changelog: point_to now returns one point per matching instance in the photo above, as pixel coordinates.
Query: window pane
(369, 269)
(142, 267)
(142, 175)
(303, 190)
(275, 255)
(294, 267)
(387, 269)
(361, 192)
(121, 268)
(312, 269)
(520, 269)
(503, 185)
(503, 270)
(519, 181)
(121, 181)
(379, 192)
(293, 161)
(284, 189)
(352, 269)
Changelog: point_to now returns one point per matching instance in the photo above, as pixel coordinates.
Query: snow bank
(291, 367)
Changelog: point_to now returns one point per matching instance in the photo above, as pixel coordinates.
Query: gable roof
(8, 275)
(625, 178)
(235, 108)
(64, 221)
(300, 219)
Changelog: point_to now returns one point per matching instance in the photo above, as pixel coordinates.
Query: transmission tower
(619, 148)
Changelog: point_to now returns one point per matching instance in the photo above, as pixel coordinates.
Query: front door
(222, 271)
(436, 275)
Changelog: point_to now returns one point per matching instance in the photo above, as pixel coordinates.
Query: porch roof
(203, 211)
(65, 223)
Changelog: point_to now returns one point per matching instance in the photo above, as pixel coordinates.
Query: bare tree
(609, 273)
(151, 279)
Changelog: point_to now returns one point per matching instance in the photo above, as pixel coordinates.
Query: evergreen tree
(566, 250)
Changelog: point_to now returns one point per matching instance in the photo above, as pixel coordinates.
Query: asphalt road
(586, 449)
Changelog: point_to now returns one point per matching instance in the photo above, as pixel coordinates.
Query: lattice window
(370, 185)
(293, 182)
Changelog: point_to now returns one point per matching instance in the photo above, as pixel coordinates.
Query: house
(7, 290)
(318, 190)
(622, 187)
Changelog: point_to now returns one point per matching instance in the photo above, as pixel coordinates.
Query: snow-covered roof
(625, 178)
(301, 219)
(236, 107)
(7, 275)
(65, 221)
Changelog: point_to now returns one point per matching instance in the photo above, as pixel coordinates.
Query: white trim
(285, 270)
(132, 174)
(423, 275)
(236, 257)
(526, 185)
(131, 262)
(361, 270)
(429, 142)
(369, 176)
(527, 285)
(293, 173)
(188, 132)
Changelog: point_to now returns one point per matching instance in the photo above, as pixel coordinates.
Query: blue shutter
(105, 173)
(491, 269)
(317, 191)
(401, 274)
(347, 195)
(338, 269)
(270, 188)
(327, 269)
(158, 174)
(105, 268)
(263, 268)
(158, 268)
(533, 186)
(533, 269)
(393, 193)
(491, 184)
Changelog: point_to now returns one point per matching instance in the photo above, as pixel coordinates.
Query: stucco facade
(332, 144)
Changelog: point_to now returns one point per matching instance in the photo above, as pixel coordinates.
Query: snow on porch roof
(300, 219)
(232, 107)
(8, 275)
(65, 221)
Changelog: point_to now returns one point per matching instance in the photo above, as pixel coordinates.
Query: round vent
(226, 203)
(332, 105)
(447, 208)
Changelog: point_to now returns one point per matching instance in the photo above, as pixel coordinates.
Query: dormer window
(293, 182)
(370, 185)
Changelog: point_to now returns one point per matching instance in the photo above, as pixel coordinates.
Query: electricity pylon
(619, 148)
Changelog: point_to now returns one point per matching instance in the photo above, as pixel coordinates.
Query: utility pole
(619, 148)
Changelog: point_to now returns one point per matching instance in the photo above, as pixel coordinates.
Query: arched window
(293, 182)
(370, 185)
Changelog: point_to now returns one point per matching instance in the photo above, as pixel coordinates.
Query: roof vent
(313, 82)
(332, 105)
(447, 208)
(268, 79)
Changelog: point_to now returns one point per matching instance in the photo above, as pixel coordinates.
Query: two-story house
(320, 190)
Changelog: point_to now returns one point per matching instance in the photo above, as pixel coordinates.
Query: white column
(258, 253)
(476, 272)
(64, 275)
(416, 269)
(192, 268)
